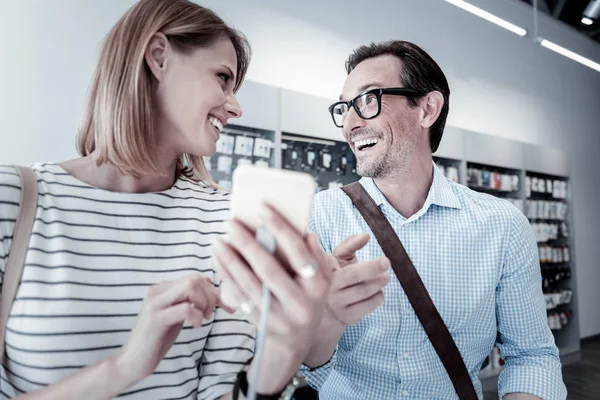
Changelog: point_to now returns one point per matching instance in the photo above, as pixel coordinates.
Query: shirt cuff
(316, 377)
(545, 383)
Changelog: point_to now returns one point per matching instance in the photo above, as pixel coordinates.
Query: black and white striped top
(92, 255)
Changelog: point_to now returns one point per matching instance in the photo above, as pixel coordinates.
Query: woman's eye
(224, 77)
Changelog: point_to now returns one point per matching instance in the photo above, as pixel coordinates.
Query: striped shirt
(478, 259)
(91, 258)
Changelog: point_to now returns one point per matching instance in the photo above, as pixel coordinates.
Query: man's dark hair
(419, 71)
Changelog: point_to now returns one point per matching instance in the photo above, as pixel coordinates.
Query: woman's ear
(157, 55)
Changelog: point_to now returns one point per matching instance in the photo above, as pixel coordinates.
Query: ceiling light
(568, 53)
(586, 21)
(592, 11)
(488, 16)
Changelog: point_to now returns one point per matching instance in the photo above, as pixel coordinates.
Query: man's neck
(407, 189)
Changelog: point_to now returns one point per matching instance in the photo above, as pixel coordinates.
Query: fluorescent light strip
(586, 21)
(568, 53)
(488, 16)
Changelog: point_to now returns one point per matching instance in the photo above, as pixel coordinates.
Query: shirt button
(405, 393)
(405, 355)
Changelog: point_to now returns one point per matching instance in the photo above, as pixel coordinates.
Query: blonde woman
(119, 297)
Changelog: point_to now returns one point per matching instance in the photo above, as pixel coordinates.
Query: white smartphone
(291, 193)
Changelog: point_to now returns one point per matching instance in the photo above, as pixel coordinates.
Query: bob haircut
(117, 121)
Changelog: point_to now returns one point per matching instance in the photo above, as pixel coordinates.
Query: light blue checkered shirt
(478, 258)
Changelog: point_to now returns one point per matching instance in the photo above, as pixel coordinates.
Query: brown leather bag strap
(15, 262)
(415, 291)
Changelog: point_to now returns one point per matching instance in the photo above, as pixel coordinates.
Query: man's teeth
(365, 142)
(216, 123)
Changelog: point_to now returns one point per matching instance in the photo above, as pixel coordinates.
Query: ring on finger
(308, 270)
(246, 307)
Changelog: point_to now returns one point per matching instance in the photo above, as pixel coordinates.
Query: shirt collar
(440, 192)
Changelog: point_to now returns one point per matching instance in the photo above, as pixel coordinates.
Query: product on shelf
(237, 146)
(558, 298)
(449, 168)
(550, 210)
(225, 144)
(332, 163)
(558, 320)
(558, 188)
(486, 179)
(545, 232)
(553, 254)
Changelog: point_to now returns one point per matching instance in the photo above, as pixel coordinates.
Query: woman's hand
(298, 278)
(166, 307)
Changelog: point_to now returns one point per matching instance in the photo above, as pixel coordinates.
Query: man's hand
(357, 288)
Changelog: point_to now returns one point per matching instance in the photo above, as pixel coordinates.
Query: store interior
(523, 123)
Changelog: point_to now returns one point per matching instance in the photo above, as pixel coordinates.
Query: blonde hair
(118, 117)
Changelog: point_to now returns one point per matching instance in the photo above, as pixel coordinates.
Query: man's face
(382, 145)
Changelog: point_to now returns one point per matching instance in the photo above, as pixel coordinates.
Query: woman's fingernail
(308, 270)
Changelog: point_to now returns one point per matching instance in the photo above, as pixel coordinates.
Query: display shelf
(498, 181)
(547, 208)
(330, 162)
(493, 179)
(240, 145)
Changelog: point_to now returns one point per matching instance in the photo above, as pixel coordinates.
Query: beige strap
(13, 270)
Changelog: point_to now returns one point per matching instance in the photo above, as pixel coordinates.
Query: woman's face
(193, 94)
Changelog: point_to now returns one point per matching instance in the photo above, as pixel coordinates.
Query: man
(476, 254)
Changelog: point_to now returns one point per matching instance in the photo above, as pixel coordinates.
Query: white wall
(502, 84)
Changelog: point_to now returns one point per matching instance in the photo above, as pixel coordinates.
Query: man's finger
(365, 307)
(345, 252)
(357, 293)
(359, 273)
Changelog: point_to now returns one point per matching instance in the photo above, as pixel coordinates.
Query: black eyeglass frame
(396, 91)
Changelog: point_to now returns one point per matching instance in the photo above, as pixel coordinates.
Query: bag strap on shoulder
(415, 290)
(15, 262)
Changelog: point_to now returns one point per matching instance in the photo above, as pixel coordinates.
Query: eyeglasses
(367, 104)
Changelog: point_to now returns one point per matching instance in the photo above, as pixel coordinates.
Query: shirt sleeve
(532, 363)
(229, 348)
(10, 193)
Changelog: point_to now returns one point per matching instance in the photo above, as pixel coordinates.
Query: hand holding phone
(297, 300)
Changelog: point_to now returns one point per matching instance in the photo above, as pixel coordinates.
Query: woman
(119, 297)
